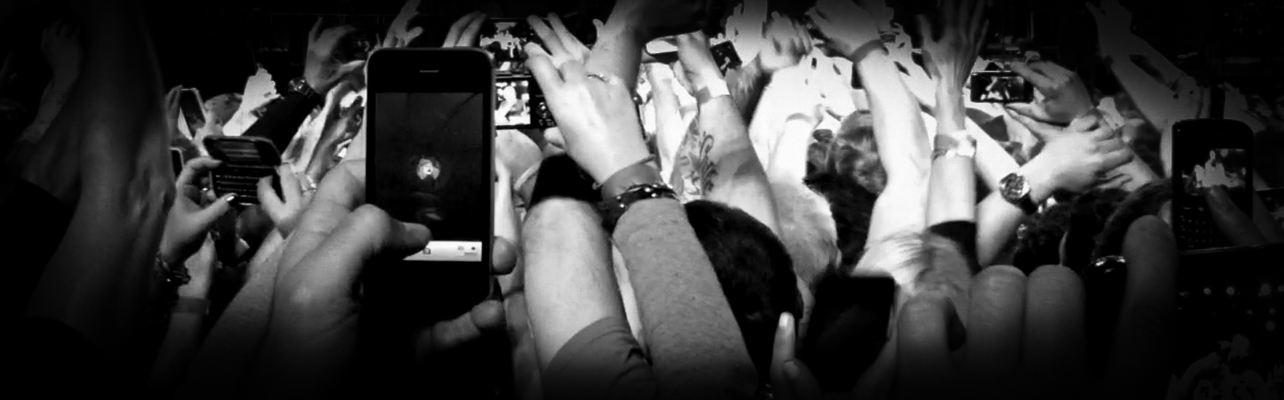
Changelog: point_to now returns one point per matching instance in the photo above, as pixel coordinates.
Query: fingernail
(229, 197)
(786, 321)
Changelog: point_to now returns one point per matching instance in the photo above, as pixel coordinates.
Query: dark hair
(854, 152)
(1146, 200)
(560, 176)
(1088, 214)
(754, 269)
(852, 207)
(1039, 238)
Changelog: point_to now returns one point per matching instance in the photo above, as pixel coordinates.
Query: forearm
(282, 119)
(898, 130)
(993, 162)
(742, 182)
(569, 281)
(228, 352)
(1154, 99)
(182, 341)
(997, 219)
(50, 105)
(694, 341)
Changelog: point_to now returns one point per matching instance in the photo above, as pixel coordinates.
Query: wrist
(1041, 178)
(641, 172)
(711, 88)
(866, 49)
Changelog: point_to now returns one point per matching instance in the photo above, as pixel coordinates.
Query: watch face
(1014, 187)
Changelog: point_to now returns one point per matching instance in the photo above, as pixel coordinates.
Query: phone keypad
(1196, 230)
(240, 180)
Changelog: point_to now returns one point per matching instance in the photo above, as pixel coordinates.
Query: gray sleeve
(693, 339)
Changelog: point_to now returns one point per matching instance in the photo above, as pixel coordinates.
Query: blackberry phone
(1209, 153)
(245, 161)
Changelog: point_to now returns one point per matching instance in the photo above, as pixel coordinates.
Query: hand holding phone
(1208, 154)
(1065, 97)
(245, 160)
(1000, 87)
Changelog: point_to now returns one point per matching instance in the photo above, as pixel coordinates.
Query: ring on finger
(597, 77)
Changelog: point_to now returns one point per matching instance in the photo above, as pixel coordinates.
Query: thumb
(1044, 131)
(597, 23)
(352, 66)
(790, 379)
(1031, 110)
(217, 209)
(1233, 222)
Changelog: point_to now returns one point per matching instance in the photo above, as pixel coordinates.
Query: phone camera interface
(506, 42)
(1000, 88)
(1219, 167)
(430, 169)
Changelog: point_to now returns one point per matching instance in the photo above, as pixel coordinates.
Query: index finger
(316, 30)
(194, 168)
(541, 66)
(1139, 355)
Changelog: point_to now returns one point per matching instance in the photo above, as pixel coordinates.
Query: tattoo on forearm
(695, 166)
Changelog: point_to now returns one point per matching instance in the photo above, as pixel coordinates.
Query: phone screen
(1209, 153)
(433, 168)
(725, 55)
(1225, 167)
(519, 103)
(190, 104)
(176, 160)
(506, 41)
(1000, 87)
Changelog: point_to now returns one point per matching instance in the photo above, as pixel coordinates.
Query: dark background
(214, 45)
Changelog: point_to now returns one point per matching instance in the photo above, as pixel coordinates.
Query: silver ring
(598, 77)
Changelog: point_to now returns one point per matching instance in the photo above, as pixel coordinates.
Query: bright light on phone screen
(432, 169)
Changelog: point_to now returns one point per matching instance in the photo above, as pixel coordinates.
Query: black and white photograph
(642, 199)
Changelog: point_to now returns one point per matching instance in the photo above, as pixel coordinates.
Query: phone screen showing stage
(433, 169)
(506, 41)
(1225, 167)
(520, 104)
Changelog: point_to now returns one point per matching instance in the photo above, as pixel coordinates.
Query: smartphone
(519, 103)
(665, 50)
(192, 107)
(1000, 87)
(1104, 282)
(430, 161)
(505, 39)
(1209, 153)
(176, 160)
(245, 161)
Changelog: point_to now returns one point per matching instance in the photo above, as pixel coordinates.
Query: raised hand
(698, 65)
(559, 41)
(1076, 161)
(400, 30)
(320, 68)
(653, 19)
(60, 44)
(464, 32)
(949, 56)
(595, 114)
(844, 27)
(1114, 29)
(285, 209)
(189, 218)
(786, 42)
(1065, 97)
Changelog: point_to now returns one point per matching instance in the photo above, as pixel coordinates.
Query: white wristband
(713, 91)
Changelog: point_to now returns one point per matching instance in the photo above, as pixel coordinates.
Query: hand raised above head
(654, 19)
(320, 68)
(843, 26)
(464, 32)
(595, 114)
(1065, 97)
(558, 40)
